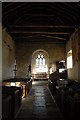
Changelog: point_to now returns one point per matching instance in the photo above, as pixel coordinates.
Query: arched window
(40, 61)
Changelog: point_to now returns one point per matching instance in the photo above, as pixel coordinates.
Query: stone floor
(39, 104)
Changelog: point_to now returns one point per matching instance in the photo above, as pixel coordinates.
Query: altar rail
(40, 76)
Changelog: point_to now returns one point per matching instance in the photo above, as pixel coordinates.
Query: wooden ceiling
(54, 21)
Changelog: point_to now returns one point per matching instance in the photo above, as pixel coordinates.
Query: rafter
(50, 26)
(55, 21)
(66, 33)
(59, 38)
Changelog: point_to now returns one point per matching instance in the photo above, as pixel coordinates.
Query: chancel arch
(40, 64)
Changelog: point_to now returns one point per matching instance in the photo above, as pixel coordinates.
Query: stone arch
(33, 61)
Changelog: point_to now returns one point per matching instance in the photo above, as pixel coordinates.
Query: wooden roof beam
(59, 38)
(40, 26)
(16, 32)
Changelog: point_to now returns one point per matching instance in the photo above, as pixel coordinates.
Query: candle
(15, 62)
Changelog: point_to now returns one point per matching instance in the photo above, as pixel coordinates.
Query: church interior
(40, 60)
